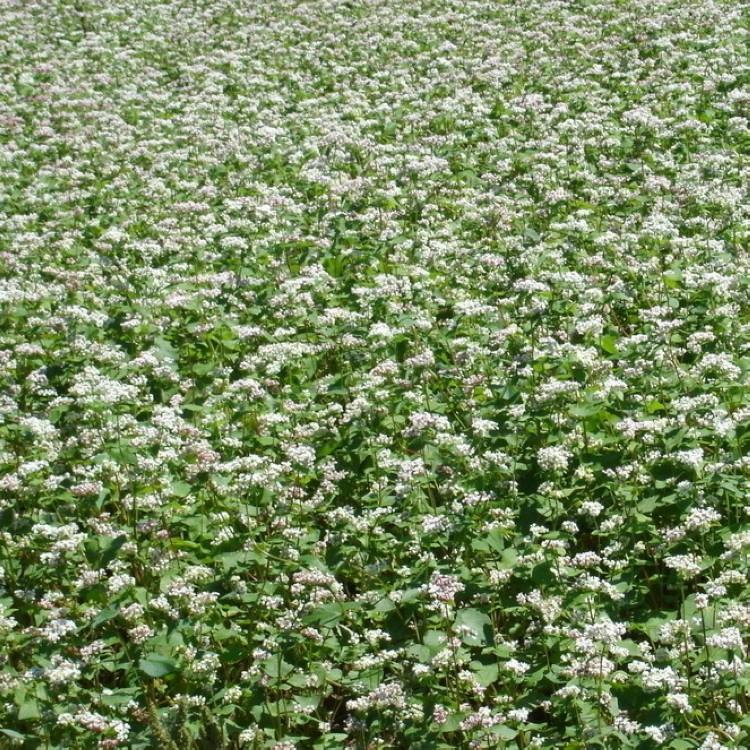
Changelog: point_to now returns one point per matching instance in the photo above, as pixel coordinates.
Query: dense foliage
(374, 374)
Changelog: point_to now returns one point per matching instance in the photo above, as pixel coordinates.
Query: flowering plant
(374, 374)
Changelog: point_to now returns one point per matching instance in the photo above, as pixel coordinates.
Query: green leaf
(230, 560)
(435, 639)
(29, 710)
(504, 732)
(119, 698)
(307, 701)
(385, 604)
(479, 625)
(508, 560)
(485, 674)
(105, 615)
(326, 615)
(584, 410)
(155, 665)
(277, 669)
(164, 347)
(13, 734)
(452, 723)
(111, 549)
(180, 488)
(609, 344)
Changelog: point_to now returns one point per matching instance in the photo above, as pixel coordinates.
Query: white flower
(553, 458)
(443, 588)
(591, 508)
(680, 702)
(518, 668)
(687, 566)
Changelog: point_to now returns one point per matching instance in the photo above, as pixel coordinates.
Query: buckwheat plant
(374, 374)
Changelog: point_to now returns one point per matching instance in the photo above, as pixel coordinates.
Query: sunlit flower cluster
(374, 374)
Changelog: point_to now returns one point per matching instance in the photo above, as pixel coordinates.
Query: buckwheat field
(374, 374)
